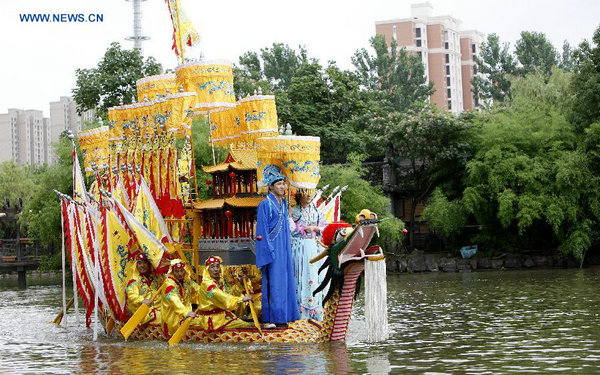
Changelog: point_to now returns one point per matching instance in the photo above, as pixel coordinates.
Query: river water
(543, 321)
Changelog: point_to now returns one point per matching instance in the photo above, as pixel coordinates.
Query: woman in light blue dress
(306, 229)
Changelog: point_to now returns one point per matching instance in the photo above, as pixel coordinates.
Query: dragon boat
(145, 198)
(344, 264)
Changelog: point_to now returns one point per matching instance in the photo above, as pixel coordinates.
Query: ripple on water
(522, 321)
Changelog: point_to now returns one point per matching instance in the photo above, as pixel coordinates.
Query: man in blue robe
(273, 253)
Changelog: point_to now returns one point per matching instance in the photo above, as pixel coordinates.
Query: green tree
(248, 76)
(586, 84)
(392, 82)
(535, 53)
(17, 186)
(323, 102)
(16, 182)
(495, 66)
(112, 80)
(203, 156)
(566, 57)
(395, 78)
(425, 149)
(41, 214)
(530, 183)
(361, 194)
(280, 63)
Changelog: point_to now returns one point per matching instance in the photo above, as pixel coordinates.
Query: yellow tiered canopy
(211, 80)
(94, 147)
(153, 87)
(298, 158)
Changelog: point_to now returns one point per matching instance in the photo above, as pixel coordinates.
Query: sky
(38, 60)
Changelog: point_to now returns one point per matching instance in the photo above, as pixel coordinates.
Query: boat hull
(301, 331)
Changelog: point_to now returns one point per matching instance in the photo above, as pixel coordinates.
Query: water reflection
(154, 357)
(490, 322)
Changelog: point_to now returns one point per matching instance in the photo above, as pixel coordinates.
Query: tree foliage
(112, 80)
(495, 64)
(535, 53)
(530, 184)
(41, 214)
(586, 84)
(425, 149)
(361, 194)
(393, 77)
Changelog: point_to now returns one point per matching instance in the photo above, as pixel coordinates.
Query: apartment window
(447, 69)
(418, 32)
(446, 45)
(447, 59)
(449, 104)
(474, 69)
(394, 33)
(420, 54)
(418, 42)
(473, 48)
(449, 93)
(445, 35)
(447, 81)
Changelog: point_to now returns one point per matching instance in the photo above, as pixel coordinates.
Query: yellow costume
(235, 288)
(140, 288)
(215, 305)
(177, 301)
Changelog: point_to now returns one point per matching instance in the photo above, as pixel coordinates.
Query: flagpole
(73, 263)
(73, 267)
(212, 143)
(64, 272)
(179, 32)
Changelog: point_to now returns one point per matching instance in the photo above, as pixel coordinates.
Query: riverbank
(419, 261)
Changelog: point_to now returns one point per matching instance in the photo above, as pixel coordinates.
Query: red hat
(177, 264)
(330, 230)
(141, 257)
(213, 259)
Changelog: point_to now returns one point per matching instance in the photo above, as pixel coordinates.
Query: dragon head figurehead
(345, 246)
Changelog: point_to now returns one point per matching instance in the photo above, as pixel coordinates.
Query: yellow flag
(184, 32)
(147, 213)
(147, 242)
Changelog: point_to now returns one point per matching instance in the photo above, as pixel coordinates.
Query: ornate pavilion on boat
(228, 218)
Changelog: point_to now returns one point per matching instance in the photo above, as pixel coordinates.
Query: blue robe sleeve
(265, 252)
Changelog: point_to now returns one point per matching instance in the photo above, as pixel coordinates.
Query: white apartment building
(27, 137)
(63, 116)
(24, 136)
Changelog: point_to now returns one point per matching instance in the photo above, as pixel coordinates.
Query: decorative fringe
(376, 301)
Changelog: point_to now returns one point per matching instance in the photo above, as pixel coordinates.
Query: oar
(139, 314)
(60, 315)
(181, 331)
(247, 286)
(110, 325)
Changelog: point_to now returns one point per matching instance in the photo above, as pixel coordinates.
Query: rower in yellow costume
(179, 294)
(140, 289)
(215, 305)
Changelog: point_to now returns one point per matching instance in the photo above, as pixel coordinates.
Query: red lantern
(228, 214)
(232, 174)
(208, 182)
(404, 231)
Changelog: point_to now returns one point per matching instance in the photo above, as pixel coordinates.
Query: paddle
(181, 331)
(60, 315)
(248, 286)
(139, 314)
(110, 325)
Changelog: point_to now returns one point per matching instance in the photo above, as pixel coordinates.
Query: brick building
(446, 52)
